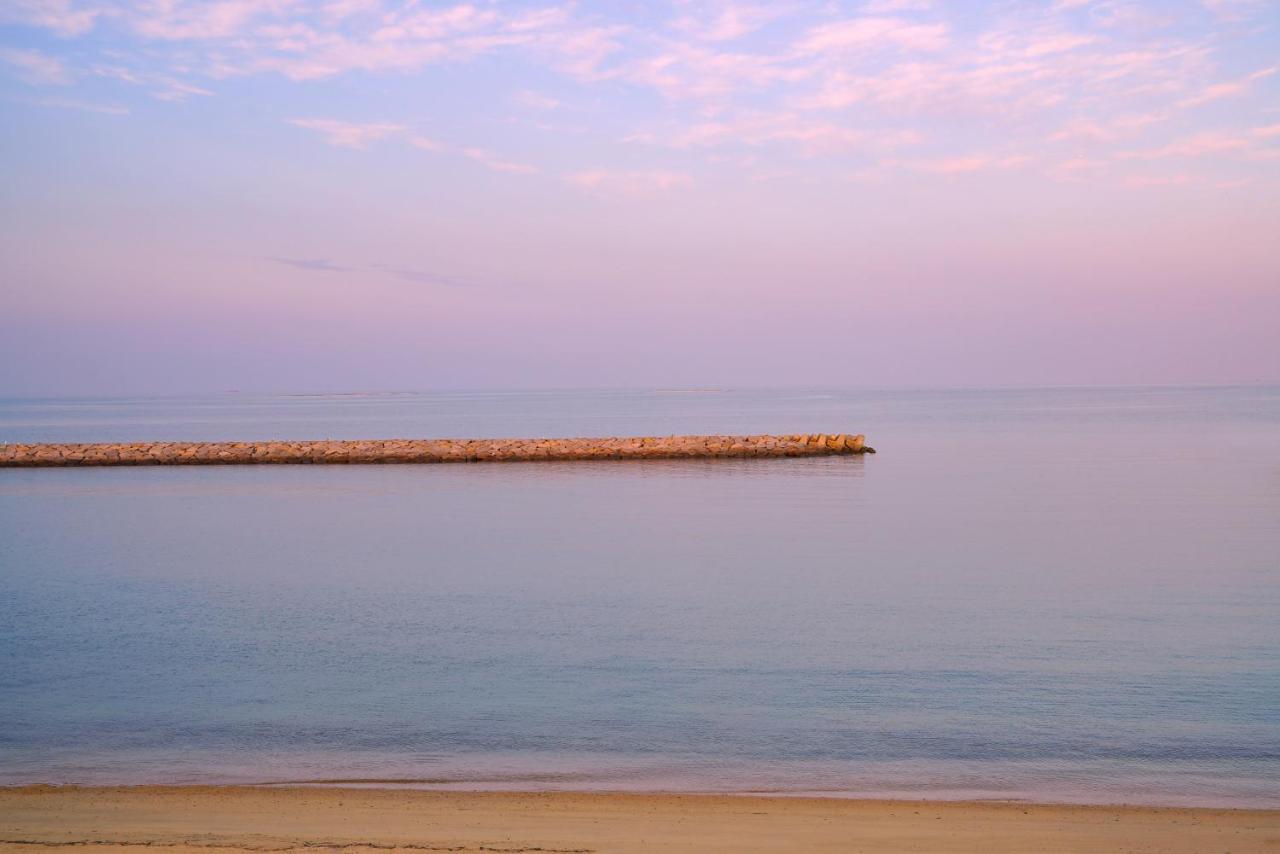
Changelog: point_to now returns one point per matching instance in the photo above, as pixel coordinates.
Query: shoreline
(543, 785)
(185, 819)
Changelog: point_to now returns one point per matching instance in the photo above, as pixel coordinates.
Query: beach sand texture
(215, 820)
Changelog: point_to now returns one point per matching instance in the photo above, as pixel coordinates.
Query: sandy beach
(214, 819)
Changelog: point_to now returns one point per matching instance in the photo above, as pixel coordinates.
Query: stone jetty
(430, 450)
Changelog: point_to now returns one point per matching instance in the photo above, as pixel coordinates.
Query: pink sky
(361, 194)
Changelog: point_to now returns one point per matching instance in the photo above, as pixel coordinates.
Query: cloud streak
(348, 134)
(35, 67)
(407, 274)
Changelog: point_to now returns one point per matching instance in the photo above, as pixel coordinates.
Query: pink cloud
(479, 155)
(427, 144)
(64, 17)
(1199, 145)
(497, 164)
(1235, 10)
(179, 20)
(1015, 74)
(889, 7)
(1033, 42)
(1106, 130)
(177, 90)
(762, 128)
(276, 36)
(35, 67)
(874, 33)
(432, 24)
(729, 21)
(692, 71)
(969, 163)
(164, 87)
(1228, 89)
(348, 134)
(340, 10)
(581, 51)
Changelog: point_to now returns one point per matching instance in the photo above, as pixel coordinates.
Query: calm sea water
(1062, 594)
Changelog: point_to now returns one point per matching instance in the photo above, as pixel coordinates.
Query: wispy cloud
(1009, 75)
(1236, 10)
(1209, 143)
(874, 33)
(727, 21)
(162, 86)
(35, 67)
(693, 71)
(358, 135)
(786, 127)
(180, 20)
(408, 274)
(348, 134)
(64, 17)
(968, 163)
(315, 265)
(421, 277)
(1228, 89)
(883, 7)
(1194, 146)
(426, 143)
(497, 164)
(482, 156)
(177, 90)
(1107, 129)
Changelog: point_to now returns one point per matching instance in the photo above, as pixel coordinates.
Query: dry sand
(211, 820)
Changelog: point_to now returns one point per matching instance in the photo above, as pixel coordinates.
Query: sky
(339, 195)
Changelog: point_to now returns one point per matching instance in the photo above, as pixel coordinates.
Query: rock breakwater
(429, 450)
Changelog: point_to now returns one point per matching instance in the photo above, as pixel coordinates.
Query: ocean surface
(1067, 595)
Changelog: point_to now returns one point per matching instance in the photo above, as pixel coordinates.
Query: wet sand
(218, 820)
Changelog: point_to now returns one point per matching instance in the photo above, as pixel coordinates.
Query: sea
(1063, 595)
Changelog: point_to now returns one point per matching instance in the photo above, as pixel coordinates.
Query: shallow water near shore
(1036, 594)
